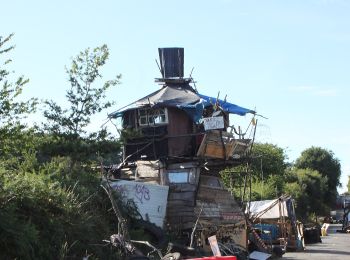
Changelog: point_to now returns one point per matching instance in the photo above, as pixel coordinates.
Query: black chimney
(171, 62)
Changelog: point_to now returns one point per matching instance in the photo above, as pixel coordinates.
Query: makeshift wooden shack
(178, 138)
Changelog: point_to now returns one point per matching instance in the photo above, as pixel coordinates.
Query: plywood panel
(180, 125)
(150, 199)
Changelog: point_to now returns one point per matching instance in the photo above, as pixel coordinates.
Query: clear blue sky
(288, 59)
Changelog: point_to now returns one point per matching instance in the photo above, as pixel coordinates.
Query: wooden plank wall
(220, 215)
(181, 204)
(182, 196)
(218, 206)
(180, 125)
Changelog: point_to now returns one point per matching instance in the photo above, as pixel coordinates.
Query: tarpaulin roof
(227, 107)
(183, 97)
(169, 96)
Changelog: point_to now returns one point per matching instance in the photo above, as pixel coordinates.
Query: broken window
(211, 181)
(152, 116)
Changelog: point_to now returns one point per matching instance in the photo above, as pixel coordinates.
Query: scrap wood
(195, 226)
(122, 227)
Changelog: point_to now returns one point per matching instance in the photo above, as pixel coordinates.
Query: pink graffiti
(142, 193)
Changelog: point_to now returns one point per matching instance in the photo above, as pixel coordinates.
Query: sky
(289, 60)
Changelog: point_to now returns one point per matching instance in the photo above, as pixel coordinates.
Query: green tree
(270, 188)
(268, 164)
(268, 159)
(12, 109)
(85, 99)
(348, 184)
(308, 188)
(327, 165)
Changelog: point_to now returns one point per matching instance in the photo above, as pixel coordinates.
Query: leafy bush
(44, 216)
(51, 206)
(80, 149)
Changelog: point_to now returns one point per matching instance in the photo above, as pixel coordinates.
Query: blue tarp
(226, 106)
(196, 110)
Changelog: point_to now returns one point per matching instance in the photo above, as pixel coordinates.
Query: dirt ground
(334, 246)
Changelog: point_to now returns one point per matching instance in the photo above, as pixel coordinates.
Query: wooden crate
(222, 145)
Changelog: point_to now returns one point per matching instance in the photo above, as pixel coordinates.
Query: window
(153, 116)
(182, 176)
(211, 181)
(178, 177)
(143, 117)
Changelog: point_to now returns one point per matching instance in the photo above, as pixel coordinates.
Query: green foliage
(53, 211)
(267, 168)
(13, 142)
(268, 159)
(270, 188)
(327, 165)
(348, 184)
(271, 178)
(85, 100)
(11, 110)
(66, 128)
(233, 179)
(51, 203)
(86, 150)
(308, 188)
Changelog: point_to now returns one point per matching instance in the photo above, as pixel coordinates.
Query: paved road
(335, 246)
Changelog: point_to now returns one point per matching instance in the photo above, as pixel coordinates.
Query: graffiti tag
(121, 189)
(142, 193)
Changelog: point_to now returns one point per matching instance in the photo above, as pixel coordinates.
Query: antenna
(192, 80)
(160, 70)
(191, 72)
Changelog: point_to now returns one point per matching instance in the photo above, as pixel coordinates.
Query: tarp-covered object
(267, 209)
(185, 98)
(226, 106)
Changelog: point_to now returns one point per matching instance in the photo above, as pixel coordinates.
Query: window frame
(149, 116)
(191, 176)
